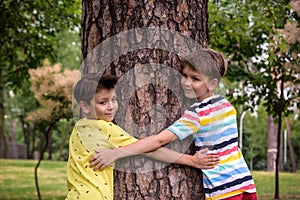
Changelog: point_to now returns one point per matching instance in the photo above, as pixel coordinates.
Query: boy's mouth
(110, 114)
(189, 90)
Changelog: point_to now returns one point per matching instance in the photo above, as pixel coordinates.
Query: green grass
(289, 185)
(17, 181)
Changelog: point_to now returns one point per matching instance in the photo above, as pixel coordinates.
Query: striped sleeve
(187, 125)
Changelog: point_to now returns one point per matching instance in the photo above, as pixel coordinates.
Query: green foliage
(254, 37)
(28, 34)
(295, 126)
(60, 139)
(247, 32)
(255, 139)
(68, 48)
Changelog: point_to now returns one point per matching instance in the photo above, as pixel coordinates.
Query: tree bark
(3, 141)
(291, 146)
(142, 41)
(272, 147)
(50, 147)
(14, 143)
(26, 136)
(272, 144)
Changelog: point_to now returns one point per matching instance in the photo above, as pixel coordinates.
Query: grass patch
(289, 187)
(17, 181)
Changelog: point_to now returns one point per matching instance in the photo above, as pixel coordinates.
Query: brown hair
(88, 85)
(207, 62)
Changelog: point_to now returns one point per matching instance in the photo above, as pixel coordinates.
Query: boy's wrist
(121, 153)
(185, 159)
(191, 161)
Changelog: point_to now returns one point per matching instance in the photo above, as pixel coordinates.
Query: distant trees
(261, 40)
(53, 90)
(28, 35)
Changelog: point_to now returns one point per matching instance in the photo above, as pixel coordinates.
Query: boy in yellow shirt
(98, 102)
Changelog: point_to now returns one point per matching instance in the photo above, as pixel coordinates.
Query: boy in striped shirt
(212, 122)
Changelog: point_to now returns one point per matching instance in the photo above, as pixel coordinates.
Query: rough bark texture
(14, 143)
(291, 146)
(150, 96)
(3, 141)
(272, 147)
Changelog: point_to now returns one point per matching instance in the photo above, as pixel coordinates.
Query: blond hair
(208, 62)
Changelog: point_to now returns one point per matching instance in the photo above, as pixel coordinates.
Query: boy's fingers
(92, 159)
(214, 157)
(103, 166)
(92, 164)
(99, 166)
(203, 150)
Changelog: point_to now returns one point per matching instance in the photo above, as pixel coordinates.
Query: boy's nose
(110, 105)
(187, 81)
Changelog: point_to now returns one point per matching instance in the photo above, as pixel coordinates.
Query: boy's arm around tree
(104, 157)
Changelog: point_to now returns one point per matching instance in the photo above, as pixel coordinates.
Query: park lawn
(17, 181)
(289, 187)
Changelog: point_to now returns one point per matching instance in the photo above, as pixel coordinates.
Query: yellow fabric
(88, 135)
(207, 120)
(232, 158)
(226, 195)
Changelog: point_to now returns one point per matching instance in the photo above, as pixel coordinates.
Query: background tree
(28, 36)
(150, 97)
(255, 139)
(52, 89)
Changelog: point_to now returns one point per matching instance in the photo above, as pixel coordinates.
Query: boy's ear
(84, 107)
(213, 84)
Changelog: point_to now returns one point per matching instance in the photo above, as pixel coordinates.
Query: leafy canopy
(255, 37)
(28, 34)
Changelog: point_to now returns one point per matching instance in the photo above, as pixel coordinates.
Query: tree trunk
(142, 41)
(50, 147)
(14, 144)
(63, 141)
(33, 143)
(291, 146)
(26, 136)
(272, 144)
(3, 141)
(272, 147)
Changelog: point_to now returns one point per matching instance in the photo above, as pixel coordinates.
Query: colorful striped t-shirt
(214, 126)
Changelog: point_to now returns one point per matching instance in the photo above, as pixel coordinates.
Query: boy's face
(194, 84)
(104, 106)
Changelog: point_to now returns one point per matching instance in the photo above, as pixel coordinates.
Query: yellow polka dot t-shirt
(83, 182)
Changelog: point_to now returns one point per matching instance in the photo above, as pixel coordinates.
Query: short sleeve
(187, 125)
(96, 134)
(118, 136)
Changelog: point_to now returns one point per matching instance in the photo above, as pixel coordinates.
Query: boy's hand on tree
(205, 161)
(102, 158)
